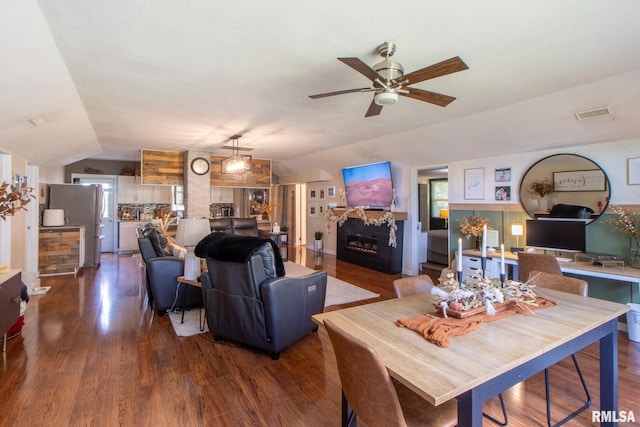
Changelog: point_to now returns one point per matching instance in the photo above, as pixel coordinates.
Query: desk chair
(572, 286)
(373, 395)
(538, 262)
(412, 285)
(422, 284)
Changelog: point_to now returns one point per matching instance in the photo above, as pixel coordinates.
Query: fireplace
(368, 246)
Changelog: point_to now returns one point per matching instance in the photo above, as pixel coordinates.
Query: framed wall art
(474, 184)
(585, 180)
(331, 191)
(633, 171)
(313, 193)
(313, 209)
(503, 175)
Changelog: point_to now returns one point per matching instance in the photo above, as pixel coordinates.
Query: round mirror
(565, 186)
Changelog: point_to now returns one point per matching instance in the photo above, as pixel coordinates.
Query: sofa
(162, 269)
(247, 299)
(239, 226)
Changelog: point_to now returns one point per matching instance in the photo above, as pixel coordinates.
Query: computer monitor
(567, 235)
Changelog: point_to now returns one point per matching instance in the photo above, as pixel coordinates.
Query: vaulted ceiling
(103, 79)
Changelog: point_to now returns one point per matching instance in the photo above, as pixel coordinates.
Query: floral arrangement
(13, 199)
(624, 221)
(541, 187)
(387, 217)
(479, 292)
(473, 227)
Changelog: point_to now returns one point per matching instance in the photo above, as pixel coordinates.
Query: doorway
(109, 207)
(433, 213)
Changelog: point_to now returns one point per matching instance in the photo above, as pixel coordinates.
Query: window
(438, 197)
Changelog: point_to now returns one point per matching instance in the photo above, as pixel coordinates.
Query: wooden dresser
(9, 302)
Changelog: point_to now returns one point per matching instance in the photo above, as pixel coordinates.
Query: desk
(197, 284)
(473, 369)
(623, 274)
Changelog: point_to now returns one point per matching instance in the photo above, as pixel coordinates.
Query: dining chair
(373, 395)
(539, 262)
(420, 284)
(412, 285)
(572, 286)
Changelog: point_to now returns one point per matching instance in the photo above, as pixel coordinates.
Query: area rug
(191, 325)
(338, 291)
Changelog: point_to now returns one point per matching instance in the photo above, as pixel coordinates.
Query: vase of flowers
(473, 228)
(626, 222)
(542, 187)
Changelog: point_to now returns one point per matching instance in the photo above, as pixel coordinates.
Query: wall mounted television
(368, 185)
(567, 235)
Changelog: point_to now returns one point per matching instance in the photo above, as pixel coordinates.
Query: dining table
(479, 365)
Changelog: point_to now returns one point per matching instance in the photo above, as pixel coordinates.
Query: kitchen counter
(61, 249)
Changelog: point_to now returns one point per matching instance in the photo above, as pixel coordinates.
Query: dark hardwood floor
(92, 354)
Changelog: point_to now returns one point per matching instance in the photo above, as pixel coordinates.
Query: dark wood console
(368, 246)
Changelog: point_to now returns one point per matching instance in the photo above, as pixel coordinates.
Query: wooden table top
(440, 374)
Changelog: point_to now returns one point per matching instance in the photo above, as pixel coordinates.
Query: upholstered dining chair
(538, 262)
(372, 394)
(412, 285)
(422, 283)
(573, 286)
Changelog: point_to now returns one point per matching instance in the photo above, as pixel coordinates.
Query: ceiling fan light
(386, 98)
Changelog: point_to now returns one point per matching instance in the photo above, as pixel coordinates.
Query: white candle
(484, 241)
(502, 268)
(459, 257)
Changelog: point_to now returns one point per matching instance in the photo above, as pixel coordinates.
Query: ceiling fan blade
(428, 96)
(374, 109)
(448, 66)
(340, 92)
(361, 67)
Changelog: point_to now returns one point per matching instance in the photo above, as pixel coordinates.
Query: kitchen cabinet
(221, 195)
(61, 250)
(127, 239)
(10, 283)
(131, 191)
(162, 194)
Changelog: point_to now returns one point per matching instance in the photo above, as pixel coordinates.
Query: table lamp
(517, 230)
(444, 214)
(189, 233)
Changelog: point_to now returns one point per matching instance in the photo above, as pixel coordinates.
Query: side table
(282, 239)
(195, 283)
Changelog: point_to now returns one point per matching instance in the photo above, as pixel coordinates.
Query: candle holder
(459, 275)
(483, 261)
(503, 277)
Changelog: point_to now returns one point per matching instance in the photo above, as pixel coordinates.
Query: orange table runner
(439, 330)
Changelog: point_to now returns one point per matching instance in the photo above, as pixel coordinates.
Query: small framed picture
(322, 193)
(503, 175)
(474, 184)
(633, 171)
(313, 193)
(313, 209)
(321, 209)
(503, 193)
(331, 191)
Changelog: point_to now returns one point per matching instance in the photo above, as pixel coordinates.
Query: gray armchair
(248, 301)
(162, 271)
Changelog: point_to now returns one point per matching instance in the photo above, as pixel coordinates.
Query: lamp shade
(190, 231)
(516, 230)
(444, 213)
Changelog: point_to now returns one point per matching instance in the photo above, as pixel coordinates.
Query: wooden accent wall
(59, 250)
(259, 175)
(162, 167)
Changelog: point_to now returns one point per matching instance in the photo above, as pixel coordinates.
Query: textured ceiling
(112, 77)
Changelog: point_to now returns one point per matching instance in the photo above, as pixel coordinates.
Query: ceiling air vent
(594, 112)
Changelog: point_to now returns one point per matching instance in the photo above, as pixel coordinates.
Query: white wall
(611, 157)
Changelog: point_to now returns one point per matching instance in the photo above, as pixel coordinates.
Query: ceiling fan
(388, 80)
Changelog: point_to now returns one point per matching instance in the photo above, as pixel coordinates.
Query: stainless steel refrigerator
(82, 205)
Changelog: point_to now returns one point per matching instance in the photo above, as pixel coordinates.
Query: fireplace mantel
(374, 214)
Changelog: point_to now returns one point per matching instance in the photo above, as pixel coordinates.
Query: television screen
(368, 185)
(557, 234)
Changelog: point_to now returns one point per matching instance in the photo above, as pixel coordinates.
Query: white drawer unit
(472, 263)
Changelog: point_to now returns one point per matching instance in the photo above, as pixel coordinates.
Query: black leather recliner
(162, 271)
(248, 301)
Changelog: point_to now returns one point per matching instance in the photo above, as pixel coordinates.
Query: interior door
(109, 207)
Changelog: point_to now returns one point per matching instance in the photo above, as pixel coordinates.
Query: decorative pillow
(157, 238)
(177, 250)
